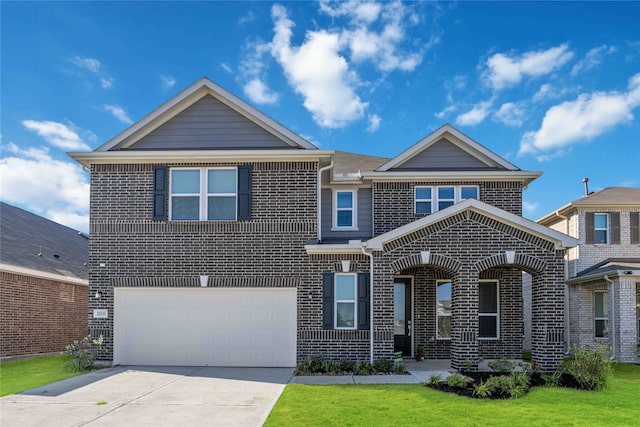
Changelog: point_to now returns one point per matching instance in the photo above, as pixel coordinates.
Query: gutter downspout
(612, 313)
(329, 166)
(567, 302)
(370, 255)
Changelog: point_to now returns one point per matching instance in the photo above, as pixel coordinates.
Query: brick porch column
(625, 322)
(464, 318)
(547, 337)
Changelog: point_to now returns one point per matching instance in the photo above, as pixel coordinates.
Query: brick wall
(39, 315)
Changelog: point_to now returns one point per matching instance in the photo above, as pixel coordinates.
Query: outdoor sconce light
(310, 295)
(98, 295)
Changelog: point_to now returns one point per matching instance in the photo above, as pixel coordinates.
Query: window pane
(185, 181)
(185, 208)
(423, 207)
(600, 236)
(444, 327)
(345, 199)
(221, 208)
(600, 220)
(468, 192)
(444, 298)
(446, 193)
(423, 193)
(345, 287)
(442, 205)
(601, 304)
(345, 218)
(345, 315)
(221, 181)
(488, 298)
(488, 327)
(602, 329)
(399, 316)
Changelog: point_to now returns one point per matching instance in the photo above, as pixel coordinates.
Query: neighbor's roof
(610, 197)
(611, 267)
(345, 162)
(30, 242)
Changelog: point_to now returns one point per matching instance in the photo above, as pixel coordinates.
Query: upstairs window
(345, 211)
(203, 194)
(601, 228)
(429, 200)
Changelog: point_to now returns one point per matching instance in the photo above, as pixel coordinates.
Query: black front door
(402, 316)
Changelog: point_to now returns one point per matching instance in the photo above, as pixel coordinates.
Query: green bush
(503, 365)
(399, 369)
(382, 366)
(551, 380)
(434, 379)
(457, 380)
(589, 366)
(83, 353)
(515, 385)
(364, 368)
(347, 365)
(331, 367)
(316, 364)
(482, 390)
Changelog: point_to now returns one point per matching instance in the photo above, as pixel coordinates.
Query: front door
(402, 316)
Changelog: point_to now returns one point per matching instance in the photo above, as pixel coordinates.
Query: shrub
(83, 353)
(382, 366)
(468, 365)
(316, 364)
(399, 369)
(482, 390)
(589, 366)
(304, 367)
(331, 367)
(457, 380)
(551, 380)
(503, 365)
(434, 380)
(364, 368)
(347, 365)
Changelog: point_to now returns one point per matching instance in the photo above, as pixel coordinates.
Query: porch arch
(426, 258)
(528, 263)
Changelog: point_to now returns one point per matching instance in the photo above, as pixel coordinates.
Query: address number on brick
(100, 313)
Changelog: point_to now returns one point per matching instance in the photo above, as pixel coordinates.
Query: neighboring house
(219, 237)
(43, 284)
(603, 271)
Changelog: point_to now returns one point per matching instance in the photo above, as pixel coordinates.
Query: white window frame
(496, 314)
(438, 283)
(353, 209)
(435, 199)
(605, 303)
(606, 229)
(203, 195)
(336, 301)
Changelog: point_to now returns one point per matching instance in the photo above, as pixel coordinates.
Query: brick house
(43, 284)
(603, 271)
(219, 237)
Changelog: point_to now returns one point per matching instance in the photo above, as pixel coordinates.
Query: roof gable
(205, 95)
(560, 240)
(447, 149)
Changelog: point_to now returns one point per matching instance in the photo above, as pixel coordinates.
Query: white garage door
(205, 326)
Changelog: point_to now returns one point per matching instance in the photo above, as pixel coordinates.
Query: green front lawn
(399, 405)
(21, 375)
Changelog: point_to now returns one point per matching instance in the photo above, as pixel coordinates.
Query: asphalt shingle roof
(30, 241)
(345, 162)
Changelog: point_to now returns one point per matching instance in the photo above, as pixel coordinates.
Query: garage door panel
(215, 327)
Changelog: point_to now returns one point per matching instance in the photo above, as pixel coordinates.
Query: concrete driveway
(151, 396)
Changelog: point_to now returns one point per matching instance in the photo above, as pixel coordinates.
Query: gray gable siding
(443, 155)
(364, 217)
(208, 124)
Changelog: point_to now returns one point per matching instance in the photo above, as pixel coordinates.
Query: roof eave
(526, 177)
(596, 276)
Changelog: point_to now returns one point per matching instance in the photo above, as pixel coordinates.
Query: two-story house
(603, 271)
(219, 237)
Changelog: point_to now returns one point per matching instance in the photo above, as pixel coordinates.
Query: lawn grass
(398, 405)
(21, 375)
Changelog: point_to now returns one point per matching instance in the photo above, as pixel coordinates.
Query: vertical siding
(365, 224)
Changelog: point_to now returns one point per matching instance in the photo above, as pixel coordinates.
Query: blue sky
(552, 87)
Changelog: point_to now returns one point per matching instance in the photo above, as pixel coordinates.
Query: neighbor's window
(488, 304)
(601, 228)
(345, 301)
(201, 194)
(601, 314)
(432, 199)
(344, 212)
(443, 310)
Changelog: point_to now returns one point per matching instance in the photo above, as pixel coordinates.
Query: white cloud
(530, 207)
(366, 12)
(259, 93)
(505, 71)
(226, 68)
(592, 59)
(446, 111)
(118, 112)
(167, 81)
(510, 114)
(476, 115)
(318, 72)
(106, 82)
(56, 134)
(247, 17)
(580, 120)
(95, 66)
(58, 190)
(374, 123)
(548, 91)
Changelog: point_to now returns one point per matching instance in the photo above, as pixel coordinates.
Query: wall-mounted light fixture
(98, 295)
(310, 295)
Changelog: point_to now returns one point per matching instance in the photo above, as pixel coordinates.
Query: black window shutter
(635, 227)
(159, 193)
(244, 192)
(614, 217)
(327, 300)
(363, 301)
(590, 239)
